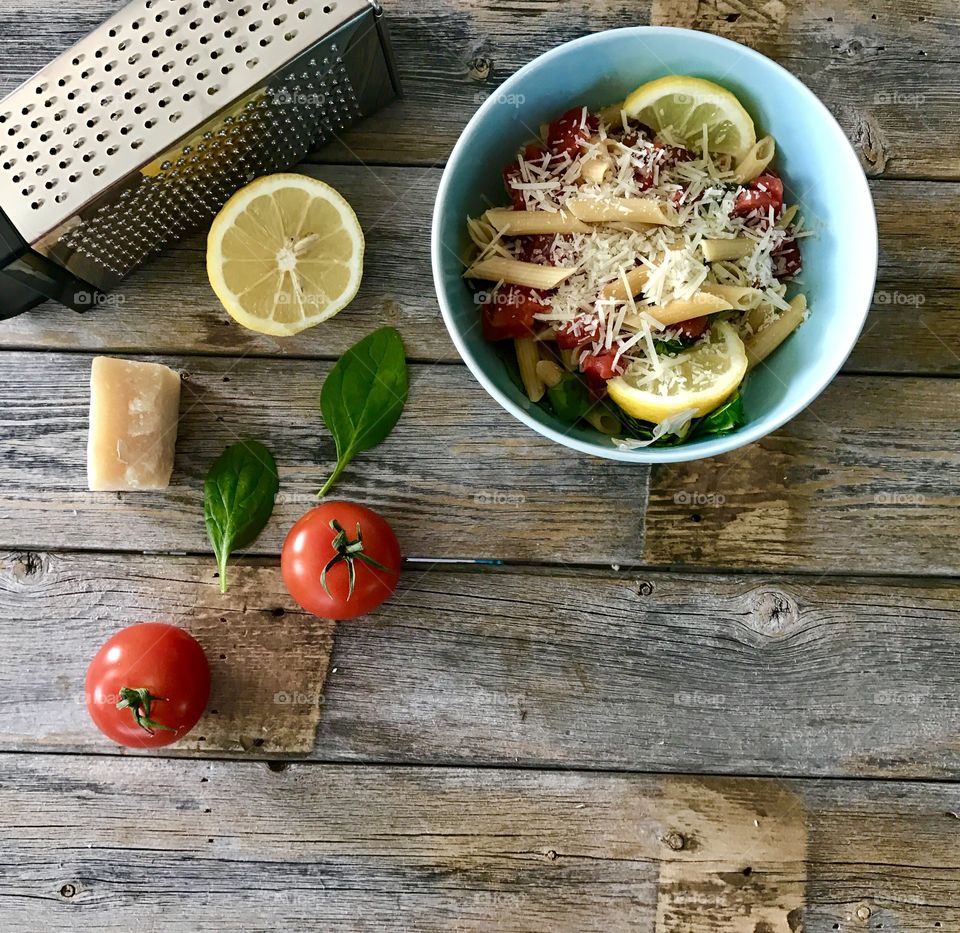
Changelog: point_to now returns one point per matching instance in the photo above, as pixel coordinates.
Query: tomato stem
(138, 700)
(348, 551)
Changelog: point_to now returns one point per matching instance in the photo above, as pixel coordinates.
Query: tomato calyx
(138, 700)
(349, 552)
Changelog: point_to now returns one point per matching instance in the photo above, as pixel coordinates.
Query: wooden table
(715, 696)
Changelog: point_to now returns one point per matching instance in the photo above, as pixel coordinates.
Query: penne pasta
(762, 344)
(528, 355)
(604, 421)
(522, 223)
(594, 170)
(734, 248)
(568, 357)
(756, 160)
(550, 373)
(680, 309)
(515, 272)
(635, 280)
(481, 233)
(786, 218)
(628, 227)
(740, 297)
(632, 210)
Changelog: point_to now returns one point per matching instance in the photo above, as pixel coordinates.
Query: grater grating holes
(207, 31)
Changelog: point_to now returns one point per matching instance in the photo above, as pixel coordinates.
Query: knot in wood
(863, 912)
(675, 841)
(68, 890)
(479, 68)
(28, 563)
(644, 588)
(774, 613)
(871, 144)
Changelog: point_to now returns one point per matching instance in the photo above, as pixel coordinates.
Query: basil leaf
(238, 497)
(569, 398)
(728, 417)
(672, 347)
(363, 397)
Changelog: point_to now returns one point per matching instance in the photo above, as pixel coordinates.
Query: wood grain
(171, 844)
(848, 677)
(458, 478)
(864, 481)
(168, 307)
(886, 70)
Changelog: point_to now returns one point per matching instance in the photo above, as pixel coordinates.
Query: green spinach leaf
(569, 398)
(238, 498)
(363, 397)
(728, 417)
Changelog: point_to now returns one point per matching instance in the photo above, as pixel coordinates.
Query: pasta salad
(643, 265)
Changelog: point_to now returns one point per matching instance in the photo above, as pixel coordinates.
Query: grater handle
(28, 278)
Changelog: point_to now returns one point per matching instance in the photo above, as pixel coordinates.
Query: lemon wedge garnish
(284, 254)
(699, 379)
(682, 106)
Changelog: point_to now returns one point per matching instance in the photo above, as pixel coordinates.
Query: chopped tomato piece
(596, 386)
(672, 154)
(568, 133)
(764, 192)
(694, 327)
(601, 365)
(787, 261)
(533, 152)
(512, 174)
(508, 312)
(572, 336)
(536, 248)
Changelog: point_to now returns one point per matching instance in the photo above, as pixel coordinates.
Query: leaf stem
(334, 476)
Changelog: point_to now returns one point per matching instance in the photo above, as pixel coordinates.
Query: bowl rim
(709, 447)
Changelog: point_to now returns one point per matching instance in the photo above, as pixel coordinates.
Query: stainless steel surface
(143, 129)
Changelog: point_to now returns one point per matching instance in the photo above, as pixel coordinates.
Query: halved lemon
(699, 379)
(683, 106)
(284, 254)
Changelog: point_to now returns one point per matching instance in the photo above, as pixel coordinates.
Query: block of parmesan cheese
(133, 424)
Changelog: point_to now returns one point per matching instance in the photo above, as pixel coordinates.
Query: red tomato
(573, 335)
(148, 685)
(764, 192)
(533, 152)
(340, 560)
(567, 134)
(787, 261)
(512, 174)
(601, 365)
(536, 248)
(694, 327)
(510, 311)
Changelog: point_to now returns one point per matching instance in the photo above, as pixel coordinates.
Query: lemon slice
(699, 379)
(284, 254)
(682, 106)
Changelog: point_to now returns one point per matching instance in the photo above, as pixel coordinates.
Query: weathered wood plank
(459, 477)
(203, 846)
(866, 480)
(852, 677)
(168, 307)
(887, 69)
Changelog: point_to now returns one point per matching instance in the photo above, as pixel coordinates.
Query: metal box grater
(140, 132)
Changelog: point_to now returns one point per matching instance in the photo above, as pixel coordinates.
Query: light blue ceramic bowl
(820, 169)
